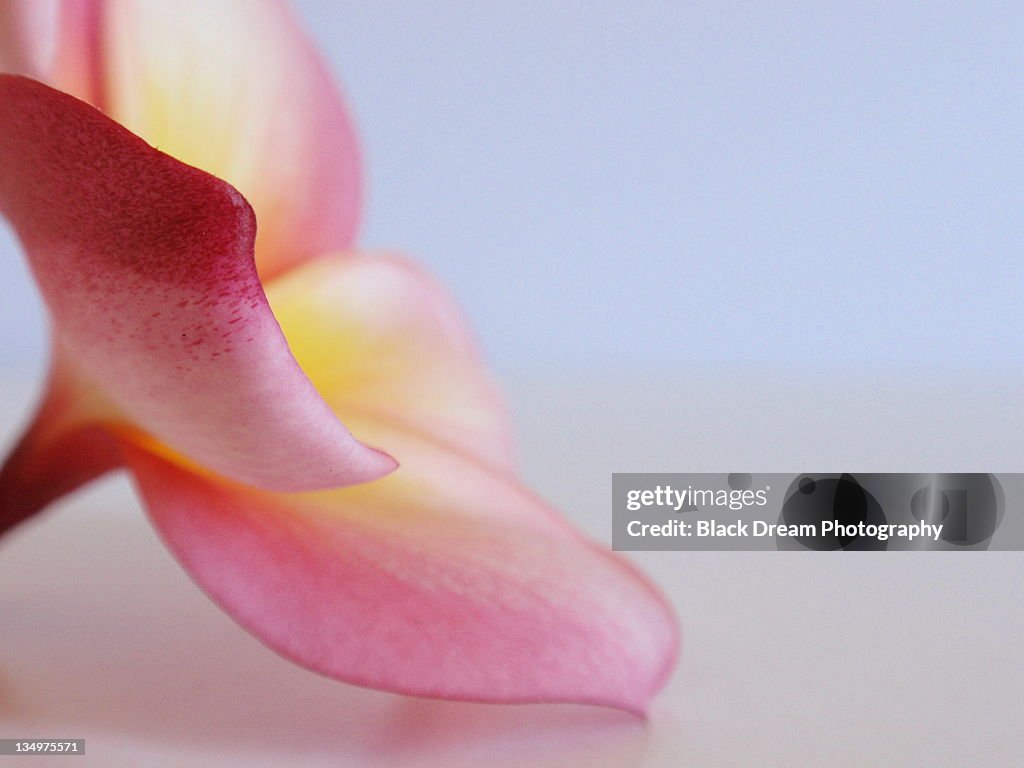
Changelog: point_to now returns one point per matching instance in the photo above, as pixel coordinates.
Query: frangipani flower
(263, 389)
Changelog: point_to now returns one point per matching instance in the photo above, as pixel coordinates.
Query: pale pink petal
(446, 585)
(146, 267)
(27, 35)
(56, 41)
(382, 340)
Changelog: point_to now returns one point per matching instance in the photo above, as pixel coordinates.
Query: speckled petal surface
(233, 87)
(146, 267)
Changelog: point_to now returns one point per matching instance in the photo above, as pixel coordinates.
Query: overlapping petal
(146, 267)
(232, 87)
(452, 583)
(383, 341)
(446, 578)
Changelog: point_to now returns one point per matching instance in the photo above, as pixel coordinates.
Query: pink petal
(57, 41)
(146, 267)
(26, 32)
(458, 585)
(233, 87)
(381, 339)
(65, 447)
(236, 88)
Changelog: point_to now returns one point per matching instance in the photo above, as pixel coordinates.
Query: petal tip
(376, 464)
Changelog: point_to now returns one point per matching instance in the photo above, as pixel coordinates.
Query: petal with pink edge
(146, 267)
(233, 87)
(445, 585)
(382, 340)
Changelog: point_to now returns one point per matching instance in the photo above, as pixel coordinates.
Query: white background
(789, 658)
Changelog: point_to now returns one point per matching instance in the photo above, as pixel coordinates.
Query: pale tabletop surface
(790, 659)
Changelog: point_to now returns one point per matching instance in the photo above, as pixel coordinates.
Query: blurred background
(643, 188)
(692, 237)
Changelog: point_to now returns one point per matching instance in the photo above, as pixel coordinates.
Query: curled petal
(455, 586)
(382, 340)
(233, 87)
(146, 267)
(65, 447)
